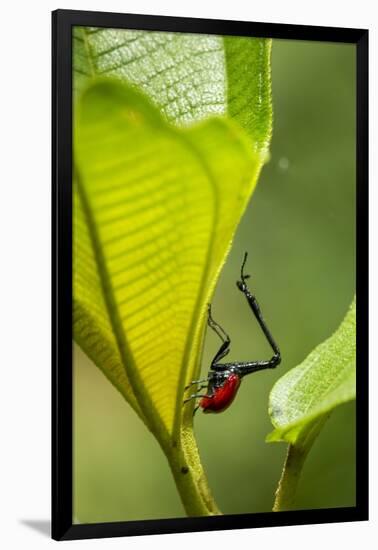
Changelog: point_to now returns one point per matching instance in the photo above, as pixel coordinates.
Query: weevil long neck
(256, 310)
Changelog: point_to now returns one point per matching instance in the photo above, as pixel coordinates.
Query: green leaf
(302, 399)
(325, 379)
(250, 98)
(188, 76)
(156, 208)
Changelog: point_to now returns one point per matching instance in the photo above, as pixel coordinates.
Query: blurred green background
(299, 230)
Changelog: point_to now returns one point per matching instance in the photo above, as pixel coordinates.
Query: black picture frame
(62, 447)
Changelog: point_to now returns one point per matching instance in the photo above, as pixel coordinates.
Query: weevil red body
(222, 396)
(223, 380)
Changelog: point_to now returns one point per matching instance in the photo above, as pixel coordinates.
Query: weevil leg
(195, 396)
(193, 382)
(202, 387)
(226, 341)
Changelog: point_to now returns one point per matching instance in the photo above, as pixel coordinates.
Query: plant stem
(190, 477)
(287, 485)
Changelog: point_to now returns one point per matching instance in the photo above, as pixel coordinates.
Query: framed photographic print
(210, 256)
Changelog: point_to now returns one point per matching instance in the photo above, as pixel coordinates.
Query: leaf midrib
(194, 321)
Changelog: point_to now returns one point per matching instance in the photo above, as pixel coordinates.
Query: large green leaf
(156, 208)
(302, 399)
(188, 76)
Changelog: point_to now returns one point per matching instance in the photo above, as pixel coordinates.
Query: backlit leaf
(155, 208)
(188, 76)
